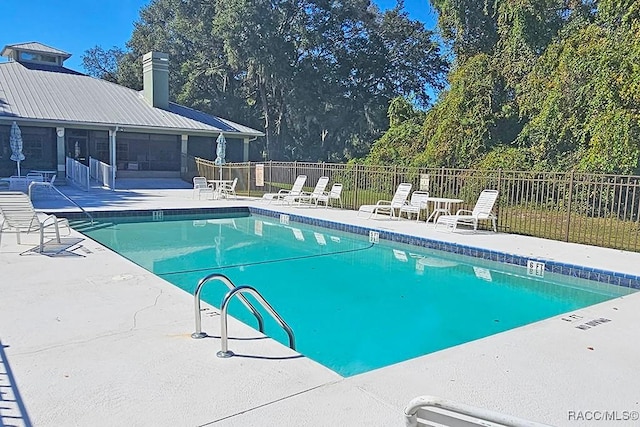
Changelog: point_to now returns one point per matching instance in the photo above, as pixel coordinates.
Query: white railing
(78, 173)
(101, 172)
(419, 412)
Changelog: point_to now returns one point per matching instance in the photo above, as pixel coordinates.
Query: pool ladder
(233, 291)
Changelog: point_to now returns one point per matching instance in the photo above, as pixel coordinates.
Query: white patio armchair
(419, 202)
(227, 190)
(201, 186)
(334, 194)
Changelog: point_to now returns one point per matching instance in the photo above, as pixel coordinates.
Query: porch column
(112, 156)
(184, 162)
(60, 153)
(245, 151)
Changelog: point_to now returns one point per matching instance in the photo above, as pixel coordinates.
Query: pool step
(85, 225)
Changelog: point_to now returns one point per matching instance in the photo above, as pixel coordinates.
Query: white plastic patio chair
(35, 176)
(296, 189)
(201, 186)
(19, 216)
(227, 190)
(386, 207)
(418, 203)
(481, 211)
(333, 194)
(306, 197)
(42, 187)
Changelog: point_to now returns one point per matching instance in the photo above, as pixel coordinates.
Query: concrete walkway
(91, 339)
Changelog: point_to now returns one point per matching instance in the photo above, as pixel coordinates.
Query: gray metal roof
(34, 47)
(47, 93)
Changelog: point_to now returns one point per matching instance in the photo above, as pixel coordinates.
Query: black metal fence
(602, 210)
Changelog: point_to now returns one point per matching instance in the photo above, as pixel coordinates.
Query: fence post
(249, 180)
(396, 181)
(499, 185)
(566, 232)
(355, 187)
(270, 175)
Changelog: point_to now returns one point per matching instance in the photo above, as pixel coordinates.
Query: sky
(78, 25)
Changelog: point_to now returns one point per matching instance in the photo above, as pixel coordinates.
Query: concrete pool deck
(93, 339)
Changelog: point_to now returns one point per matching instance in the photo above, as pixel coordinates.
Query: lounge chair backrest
(17, 210)
(336, 190)
(199, 182)
(321, 185)
(233, 184)
(34, 176)
(298, 184)
(402, 193)
(419, 198)
(485, 203)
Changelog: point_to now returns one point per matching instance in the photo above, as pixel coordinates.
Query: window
(38, 57)
(122, 151)
(102, 151)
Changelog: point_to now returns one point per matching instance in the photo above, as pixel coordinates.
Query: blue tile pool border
(148, 213)
(573, 270)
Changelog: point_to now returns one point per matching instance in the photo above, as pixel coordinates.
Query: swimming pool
(354, 306)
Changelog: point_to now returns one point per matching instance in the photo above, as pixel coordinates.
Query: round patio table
(46, 174)
(441, 206)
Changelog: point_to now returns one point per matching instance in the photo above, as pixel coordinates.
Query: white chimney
(155, 71)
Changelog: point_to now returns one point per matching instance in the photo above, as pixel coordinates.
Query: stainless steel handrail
(225, 352)
(51, 186)
(224, 279)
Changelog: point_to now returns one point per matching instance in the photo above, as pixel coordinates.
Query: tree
(583, 98)
(317, 76)
(469, 25)
(549, 84)
(402, 142)
(102, 64)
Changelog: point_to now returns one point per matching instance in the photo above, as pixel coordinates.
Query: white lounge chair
(387, 207)
(19, 216)
(227, 190)
(306, 197)
(481, 211)
(296, 189)
(201, 186)
(418, 203)
(334, 194)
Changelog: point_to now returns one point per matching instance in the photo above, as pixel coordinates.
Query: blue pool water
(352, 305)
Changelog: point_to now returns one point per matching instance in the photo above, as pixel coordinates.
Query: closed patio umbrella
(221, 148)
(15, 141)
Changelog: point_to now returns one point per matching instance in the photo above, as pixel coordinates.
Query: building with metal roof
(64, 114)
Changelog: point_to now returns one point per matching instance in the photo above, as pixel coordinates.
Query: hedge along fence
(602, 210)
